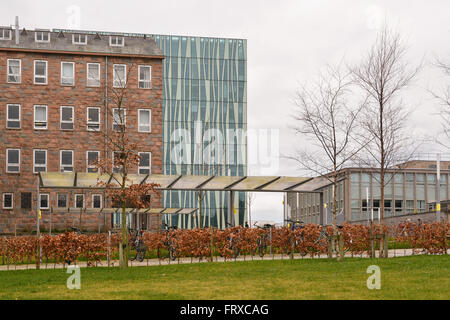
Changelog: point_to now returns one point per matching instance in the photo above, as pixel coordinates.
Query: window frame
(39, 165)
(87, 161)
(34, 117)
(149, 167)
(40, 201)
(124, 119)
(101, 200)
(9, 74)
(61, 164)
(116, 38)
(8, 164)
(12, 200)
(114, 76)
(39, 76)
(79, 37)
(73, 74)
(20, 116)
(57, 200)
(61, 121)
(139, 77)
(88, 122)
(2, 37)
(76, 202)
(42, 34)
(87, 75)
(150, 120)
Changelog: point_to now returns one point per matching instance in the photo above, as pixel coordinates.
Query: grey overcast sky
(288, 41)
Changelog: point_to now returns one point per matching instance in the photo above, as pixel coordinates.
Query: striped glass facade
(205, 87)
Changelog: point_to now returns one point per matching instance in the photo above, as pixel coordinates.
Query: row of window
(66, 161)
(13, 118)
(44, 200)
(14, 74)
(77, 38)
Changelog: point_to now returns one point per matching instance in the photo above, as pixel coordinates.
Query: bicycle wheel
(172, 253)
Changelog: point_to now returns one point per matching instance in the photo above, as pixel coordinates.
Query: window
(145, 77)
(44, 201)
(5, 34)
(93, 74)
(13, 160)
(40, 117)
(117, 163)
(119, 119)
(62, 200)
(8, 200)
(144, 119)
(66, 118)
(66, 161)
(67, 73)
(39, 161)
(42, 36)
(40, 72)
(144, 162)
(116, 41)
(79, 39)
(13, 116)
(93, 119)
(14, 71)
(119, 76)
(96, 201)
(79, 201)
(91, 160)
(25, 200)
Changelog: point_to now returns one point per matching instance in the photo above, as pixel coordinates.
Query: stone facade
(80, 140)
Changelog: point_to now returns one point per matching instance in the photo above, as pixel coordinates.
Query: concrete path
(156, 262)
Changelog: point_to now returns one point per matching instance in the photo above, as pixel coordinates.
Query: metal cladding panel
(284, 183)
(190, 182)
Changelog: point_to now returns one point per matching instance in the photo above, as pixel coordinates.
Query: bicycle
(232, 246)
(293, 241)
(169, 243)
(137, 243)
(262, 240)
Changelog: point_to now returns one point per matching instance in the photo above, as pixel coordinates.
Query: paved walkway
(156, 262)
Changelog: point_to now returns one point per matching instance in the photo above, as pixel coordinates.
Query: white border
(139, 76)
(12, 200)
(60, 161)
(40, 165)
(73, 73)
(92, 122)
(13, 164)
(139, 120)
(7, 116)
(61, 121)
(34, 117)
(87, 159)
(9, 74)
(87, 74)
(39, 76)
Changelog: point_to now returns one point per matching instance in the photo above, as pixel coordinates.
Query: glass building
(205, 93)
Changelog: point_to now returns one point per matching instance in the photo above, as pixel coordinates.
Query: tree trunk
(124, 257)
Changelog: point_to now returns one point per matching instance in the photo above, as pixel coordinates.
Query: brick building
(55, 108)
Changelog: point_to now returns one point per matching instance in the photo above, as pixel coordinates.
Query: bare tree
(444, 99)
(326, 118)
(382, 75)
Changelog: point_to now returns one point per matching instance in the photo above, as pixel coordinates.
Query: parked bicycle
(169, 243)
(137, 243)
(263, 240)
(233, 242)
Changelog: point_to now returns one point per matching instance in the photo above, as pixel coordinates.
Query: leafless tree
(382, 75)
(444, 99)
(328, 120)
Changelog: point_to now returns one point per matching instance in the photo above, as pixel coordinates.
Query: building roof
(97, 44)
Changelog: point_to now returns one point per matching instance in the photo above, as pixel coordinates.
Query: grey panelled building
(411, 190)
(205, 87)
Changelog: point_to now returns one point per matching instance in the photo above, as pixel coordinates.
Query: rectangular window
(66, 118)
(40, 72)
(42, 36)
(93, 119)
(40, 117)
(79, 201)
(96, 201)
(145, 77)
(93, 74)
(79, 39)
(39, 161)
(13, 160)
(25, 200)
(44, 201)
(116, 41)
(119, 119)
(145, 162)
(13, 116)
(14, 71)
(119, 76)
(91, 161)
(67, 73)
(8, 201)
(66, 161)
(144, 119)
(117, 163)
(5, 34)
(62, 200)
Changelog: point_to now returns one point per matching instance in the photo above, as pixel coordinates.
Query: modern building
(56, 110)
(410, 192)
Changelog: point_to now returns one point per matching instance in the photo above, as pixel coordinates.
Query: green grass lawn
(416, 277)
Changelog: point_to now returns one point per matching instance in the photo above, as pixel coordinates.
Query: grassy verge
(418, 277)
